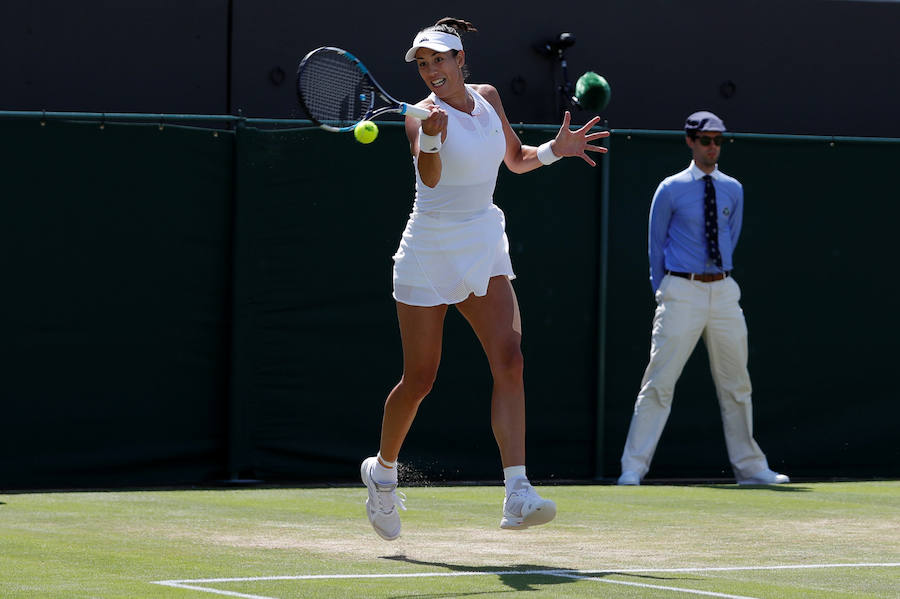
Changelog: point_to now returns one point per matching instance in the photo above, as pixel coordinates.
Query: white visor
(434, 40)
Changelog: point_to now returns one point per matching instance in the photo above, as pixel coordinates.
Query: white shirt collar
(696, 173)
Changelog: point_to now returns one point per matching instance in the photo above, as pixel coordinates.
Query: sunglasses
(705, 141)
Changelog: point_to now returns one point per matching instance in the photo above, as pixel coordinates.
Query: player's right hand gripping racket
(337, 91)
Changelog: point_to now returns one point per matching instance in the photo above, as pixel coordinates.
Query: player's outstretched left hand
(577, 142)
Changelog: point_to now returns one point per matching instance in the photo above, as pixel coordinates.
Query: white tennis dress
(455, 239)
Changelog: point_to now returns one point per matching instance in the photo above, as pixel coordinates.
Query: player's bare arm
(429, 164)
(521, 158)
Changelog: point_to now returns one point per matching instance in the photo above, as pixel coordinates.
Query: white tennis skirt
(444, 257)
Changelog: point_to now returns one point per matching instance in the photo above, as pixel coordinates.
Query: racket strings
(334, 89)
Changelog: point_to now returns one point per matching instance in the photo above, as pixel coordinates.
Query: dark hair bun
(458, 24)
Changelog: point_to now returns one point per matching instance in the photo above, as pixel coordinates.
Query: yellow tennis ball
(365, 132)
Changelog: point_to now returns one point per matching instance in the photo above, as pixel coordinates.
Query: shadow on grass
(778, 488)
(520, 577)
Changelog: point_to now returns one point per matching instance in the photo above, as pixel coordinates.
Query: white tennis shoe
(523, 507)
(382, 504)
(629, 478)
(765, 477)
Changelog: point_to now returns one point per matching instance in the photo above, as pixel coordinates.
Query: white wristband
(430, 144)
(545, 154)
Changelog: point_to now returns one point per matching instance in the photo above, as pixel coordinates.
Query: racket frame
(395, 106)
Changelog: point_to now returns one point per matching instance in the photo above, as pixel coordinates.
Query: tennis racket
(337, 91)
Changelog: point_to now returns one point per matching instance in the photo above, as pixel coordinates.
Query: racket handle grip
(414, 111)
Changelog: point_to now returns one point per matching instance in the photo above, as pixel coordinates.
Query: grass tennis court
(834, 540)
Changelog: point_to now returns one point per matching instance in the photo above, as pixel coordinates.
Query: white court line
(654, 586)
(576, 577)
(576, 574)
(178, 585)
(738, 568)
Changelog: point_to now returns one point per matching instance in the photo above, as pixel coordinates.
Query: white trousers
(687, 310)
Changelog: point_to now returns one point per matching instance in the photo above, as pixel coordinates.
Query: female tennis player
(455, 251)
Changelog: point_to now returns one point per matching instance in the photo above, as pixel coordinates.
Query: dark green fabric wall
(115, 303)
(187, 306)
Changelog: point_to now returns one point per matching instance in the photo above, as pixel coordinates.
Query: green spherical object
(592, 91)
(365, 132)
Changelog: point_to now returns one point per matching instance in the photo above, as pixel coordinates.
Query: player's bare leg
(421, 332)
(496, 321)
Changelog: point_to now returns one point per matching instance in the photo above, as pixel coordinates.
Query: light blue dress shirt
(677, 238)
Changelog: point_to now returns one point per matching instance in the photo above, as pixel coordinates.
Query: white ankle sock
(384, 474)
(510, 474)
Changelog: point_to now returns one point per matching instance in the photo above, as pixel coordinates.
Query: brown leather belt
(703, 278)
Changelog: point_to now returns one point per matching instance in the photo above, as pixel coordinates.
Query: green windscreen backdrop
(183, 305)
(115, 303)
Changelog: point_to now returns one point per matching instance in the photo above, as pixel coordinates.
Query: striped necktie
(712, 225)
